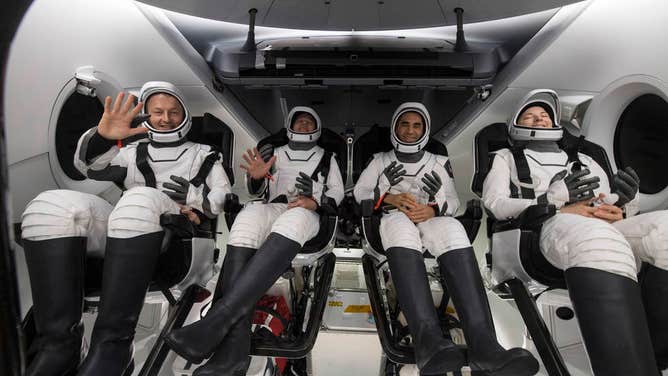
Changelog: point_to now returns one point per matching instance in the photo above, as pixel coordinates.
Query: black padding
(209, 130)
(377, 140)
(488, 140)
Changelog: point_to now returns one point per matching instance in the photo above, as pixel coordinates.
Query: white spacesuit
(264, 239)
(160, 174)
(408, 168)
(599, 257)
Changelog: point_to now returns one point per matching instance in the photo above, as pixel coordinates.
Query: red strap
(380, 201)
(119, 143)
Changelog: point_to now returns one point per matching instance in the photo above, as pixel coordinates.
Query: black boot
(56, 269)
(612, 321)
(654, 286)
(128, 268)
(231, 357)
(460, 272)
(434, 353)
(197, 341)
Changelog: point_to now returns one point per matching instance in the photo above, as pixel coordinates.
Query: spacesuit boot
(129, 264)
(464, 283)
(56, 268)
(612, 321)
(231, 357)
(654, 286)
(434, 353)
(197, 341)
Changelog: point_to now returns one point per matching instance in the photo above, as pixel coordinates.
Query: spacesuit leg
(289, 232)
(249, 230)
(600, 272)
(133, 246)
(446, 239)
(434, 353)
(231, 357)
(648, 235)
(55, 229)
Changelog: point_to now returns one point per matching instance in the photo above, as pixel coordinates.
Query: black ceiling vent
(640, 141)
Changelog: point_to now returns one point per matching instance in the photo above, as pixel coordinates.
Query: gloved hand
(572, 188)
(304, 185)
(179, 191)
(432, 184)
(625, 184)
(394, 173)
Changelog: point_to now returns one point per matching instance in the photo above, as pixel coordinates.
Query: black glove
(625, 184)
(394, 173)
(432, 184)
(571, 188)
(304, 185)
(179, 191)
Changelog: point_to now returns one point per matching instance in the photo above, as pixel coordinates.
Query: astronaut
(298, 181)
(595, 237)
(418, 188)
(163, 173)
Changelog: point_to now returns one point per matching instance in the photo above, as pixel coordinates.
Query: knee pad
(251, 227)
(138, 212)
(61, 213)
(602, 247)
(443, 234)
(655, 241)
(396, 230)
(297, 224)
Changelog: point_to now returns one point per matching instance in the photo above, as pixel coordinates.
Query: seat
(518, 268)
(376, 270)
(314, 265)
(187, 260)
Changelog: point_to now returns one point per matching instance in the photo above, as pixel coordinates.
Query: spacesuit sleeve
(496, 192)
(446, 197)
(335, 188)
(100, 159)
(366, 187)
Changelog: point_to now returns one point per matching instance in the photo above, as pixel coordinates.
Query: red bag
(273, 314)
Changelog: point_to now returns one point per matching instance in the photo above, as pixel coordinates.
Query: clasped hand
(606, 212)
(407, 204)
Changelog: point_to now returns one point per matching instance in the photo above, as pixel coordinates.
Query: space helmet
(549, 101)
(302, 137)
(171, 135)
(418, 145)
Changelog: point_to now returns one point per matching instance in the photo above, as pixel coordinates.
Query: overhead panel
(357, 15)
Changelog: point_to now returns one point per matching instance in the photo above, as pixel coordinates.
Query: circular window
(641, 140)
(78, 114)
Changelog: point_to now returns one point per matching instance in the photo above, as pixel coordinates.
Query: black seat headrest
(210, 130)
(377, 140)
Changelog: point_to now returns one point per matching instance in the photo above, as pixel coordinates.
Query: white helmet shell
(418, 145)
(172, 135)
(549, 100)
(303, 137)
